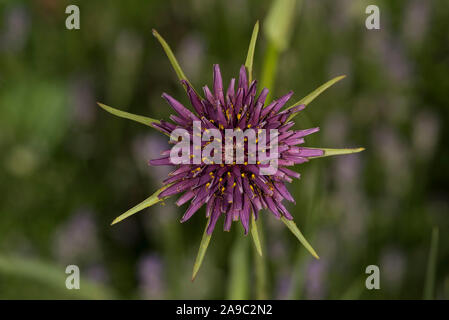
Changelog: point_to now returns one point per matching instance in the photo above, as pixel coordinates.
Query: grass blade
(310, 97)
(250, 56)
(51, 276)
(131, 116)
(201, 252)
(294, 229)
(336, 152)
(148, 202)
(255, 235)
(429, 285)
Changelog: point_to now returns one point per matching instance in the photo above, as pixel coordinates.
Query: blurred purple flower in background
(392, 264)
(97, 273)
(77, 238)
(315, 279)
(151, 275)
(426, 127)
(416, 20)
(283, 285)
(192, 54)
(394, 154)
(82, 99)
(15, 27)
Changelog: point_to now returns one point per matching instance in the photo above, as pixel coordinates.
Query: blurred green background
(67, 168)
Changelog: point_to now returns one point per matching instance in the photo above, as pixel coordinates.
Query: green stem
(239, 275)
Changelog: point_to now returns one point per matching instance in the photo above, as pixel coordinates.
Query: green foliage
(201, 251)
(148, 202)
(62, 154)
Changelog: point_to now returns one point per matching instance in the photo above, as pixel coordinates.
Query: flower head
(234, 190)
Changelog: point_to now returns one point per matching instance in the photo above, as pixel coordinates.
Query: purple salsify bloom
(234, 190)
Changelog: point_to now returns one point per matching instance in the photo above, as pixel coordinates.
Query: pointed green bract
(310, 97)
(335, 152)
(151, 200)
(202, 251)
(255, 235)
(174, 62)
(294, 229)
(131, 116)
(250, 56)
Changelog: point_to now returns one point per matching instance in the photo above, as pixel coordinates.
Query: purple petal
(306, 132)
(284, 191)
(194, 99)
(177, 106)
(245, 213)
(306, 152)
(230, 92)
(272, 206)
(194, 207)
(218, 84)
(282, 101)
(214, 217)
(228, 221)
(161, 162)
(178, 187)
(243, 80)
(185, 197)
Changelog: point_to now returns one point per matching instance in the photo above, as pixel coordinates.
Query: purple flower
(235, 188)
(151, 277)
(234, 191)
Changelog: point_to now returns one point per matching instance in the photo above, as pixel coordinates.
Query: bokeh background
(67, 168)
